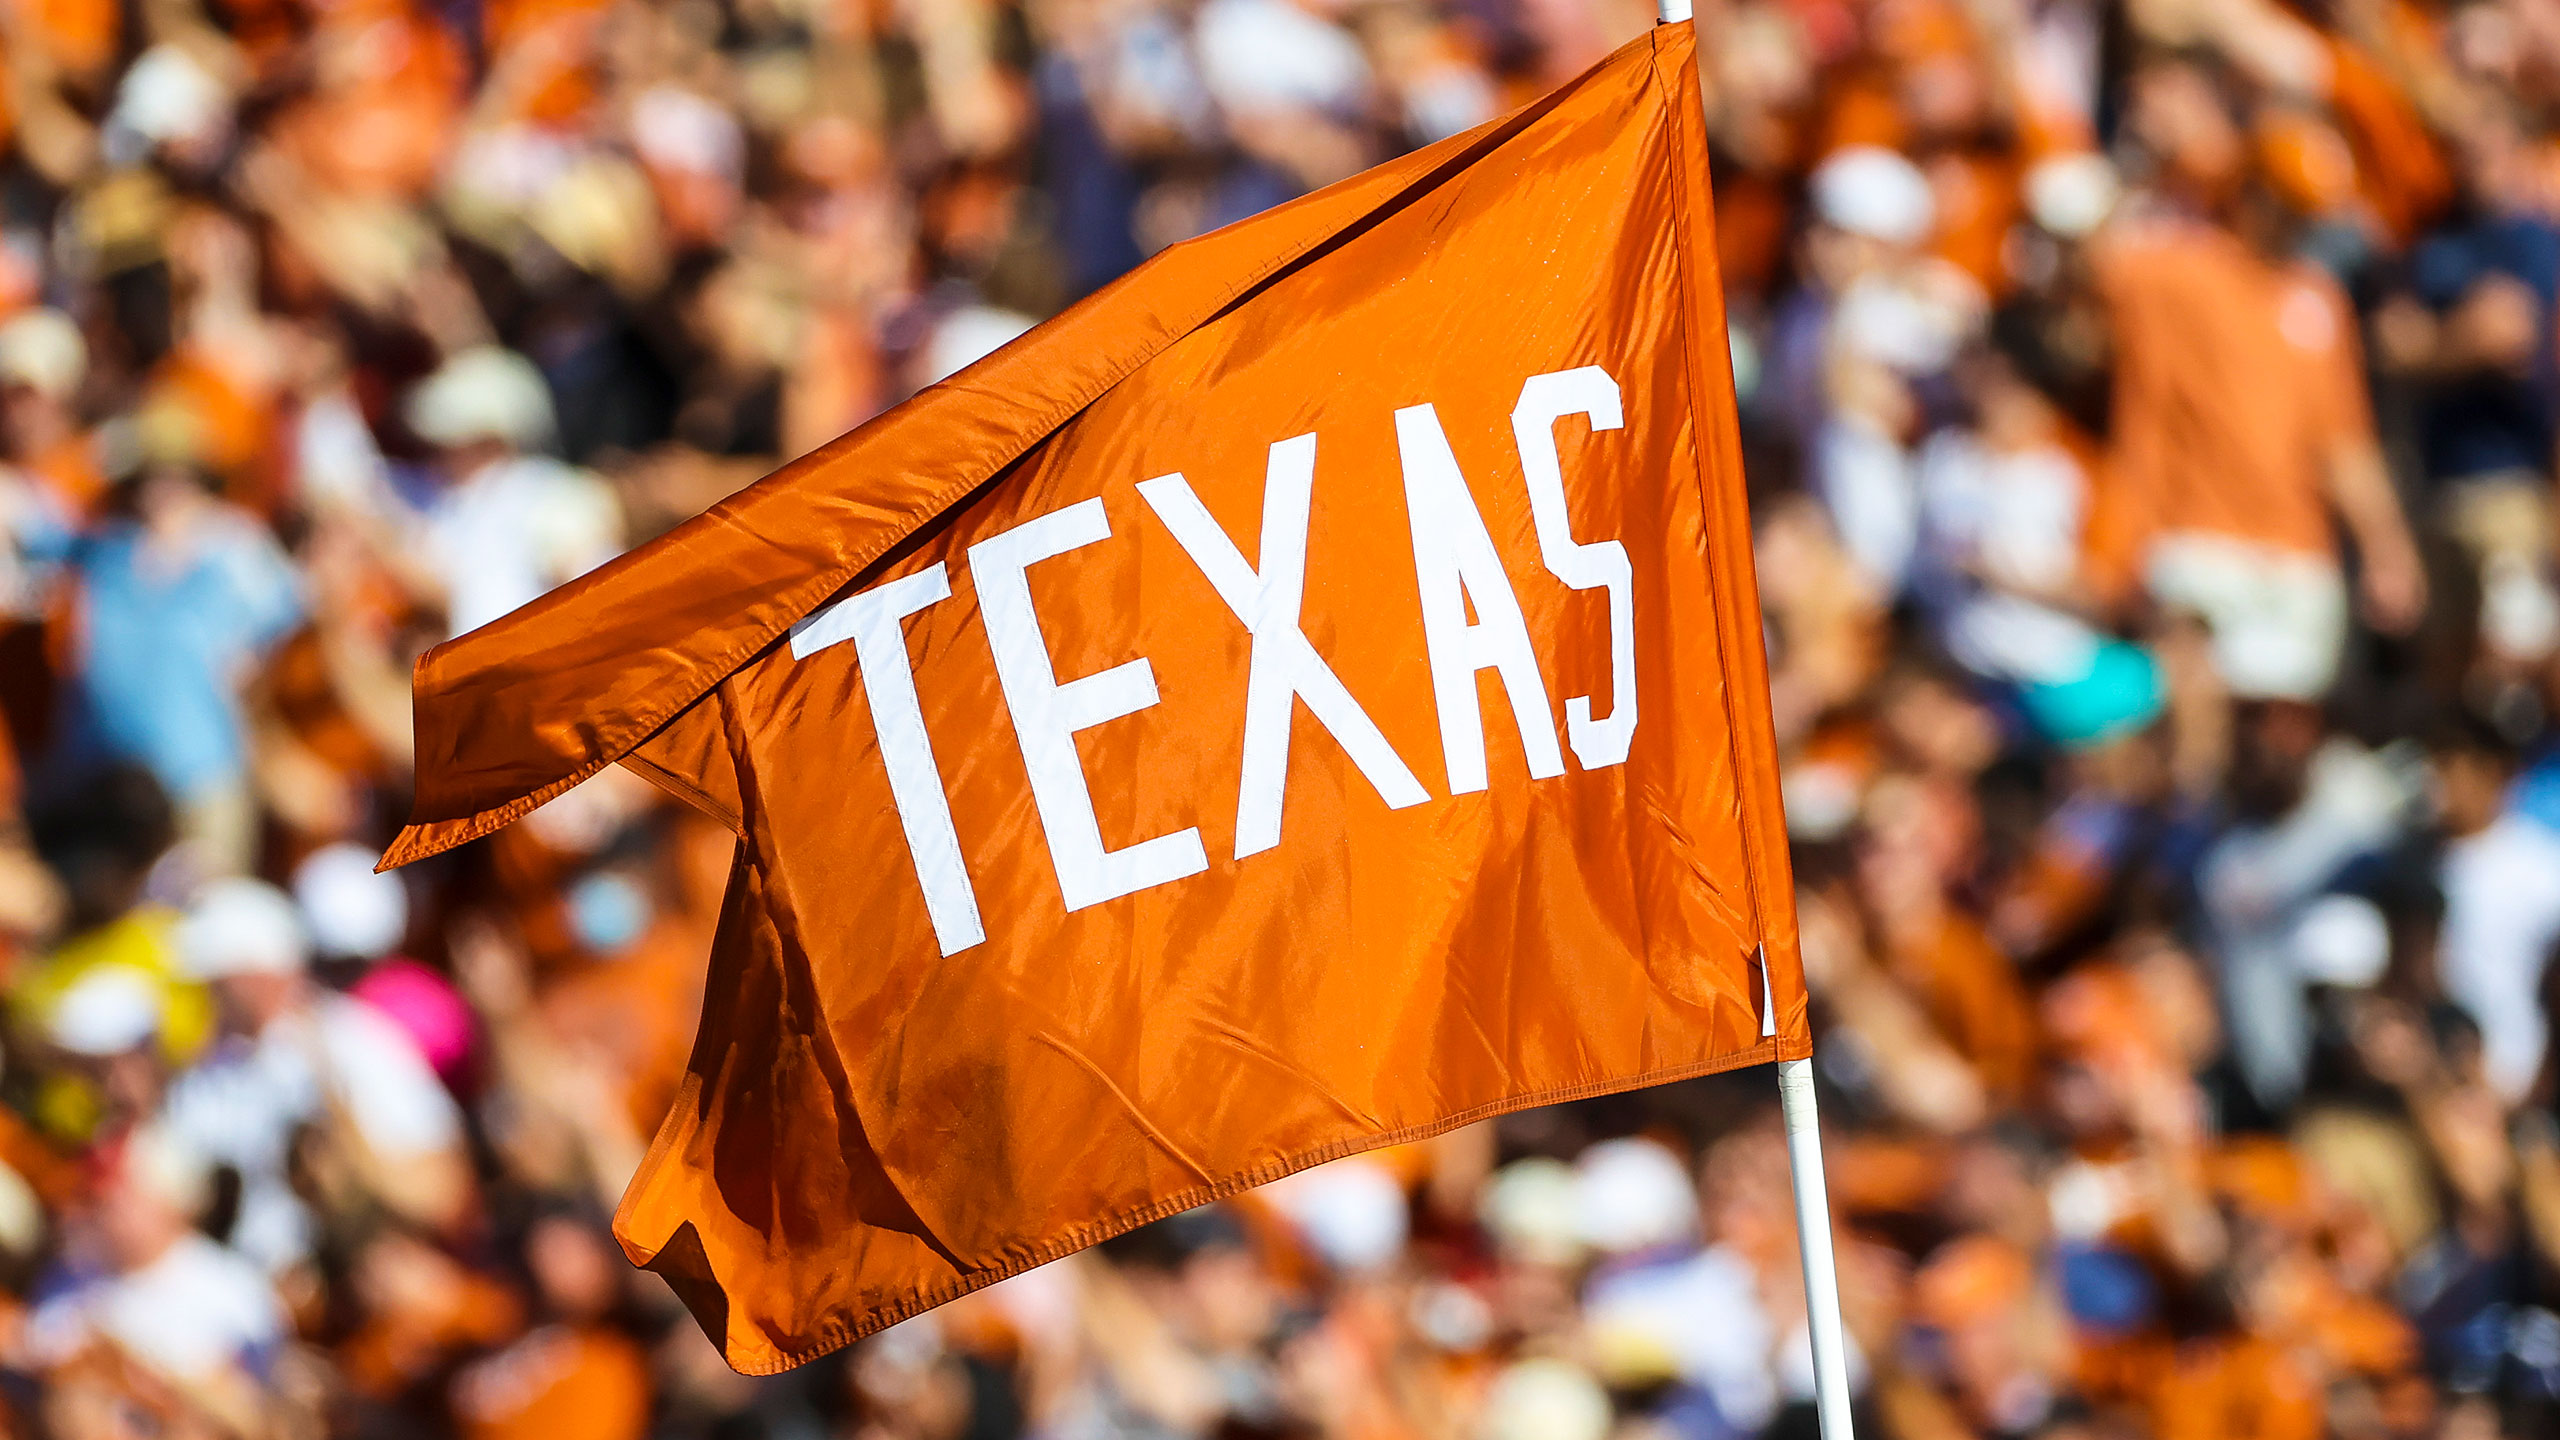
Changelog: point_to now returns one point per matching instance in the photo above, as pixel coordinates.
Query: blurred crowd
(2151, 410)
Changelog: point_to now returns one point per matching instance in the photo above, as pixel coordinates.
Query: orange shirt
(79, 36)
(2237, 1388)
(68, 469)
(2399, 167)
(404, 1340)
(230, 423)
(1979, 201)
(557, 1383)
(378, 126)
(2234, 376)
(638, 1011)
(1973, 994)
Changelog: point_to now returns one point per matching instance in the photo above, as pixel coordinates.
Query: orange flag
(1307, 697)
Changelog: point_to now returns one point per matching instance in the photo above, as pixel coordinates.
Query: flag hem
(839, 1332)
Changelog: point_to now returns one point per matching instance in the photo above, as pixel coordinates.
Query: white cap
(242, 927)
(1633, 1195)
(1893, 324)
(1871, 191)
(968, 335)
(1352, 1212)
(1529, 1209)
(1545, 1400)
(2072, 195)
(675, 129)
(109, 1010)
(43, 350)
(1273, 55)
(2519, 614)
(163, 1163)
(348, 909)
(169, 95)
(2341, 940)
(487, 392)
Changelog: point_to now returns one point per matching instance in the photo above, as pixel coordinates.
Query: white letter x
(1284, 666)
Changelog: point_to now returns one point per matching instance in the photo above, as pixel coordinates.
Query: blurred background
(2150, 408)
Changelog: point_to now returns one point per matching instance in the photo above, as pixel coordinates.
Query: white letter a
(1454, 563)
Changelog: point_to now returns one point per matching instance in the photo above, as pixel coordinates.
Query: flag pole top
(1673, 11)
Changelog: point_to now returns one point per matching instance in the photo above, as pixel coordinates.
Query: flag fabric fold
(1306, 697)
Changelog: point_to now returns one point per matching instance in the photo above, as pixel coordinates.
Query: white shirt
(2016, 518)
(1704, 1312)
(514, 529)
(197, 1310)
(243, 1103)
(2501, 918)
(1864, 477)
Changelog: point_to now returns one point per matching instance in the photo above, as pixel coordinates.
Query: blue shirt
(2483, 424)
(166, 637)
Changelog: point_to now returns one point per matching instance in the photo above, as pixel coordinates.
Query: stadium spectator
(2150, 419)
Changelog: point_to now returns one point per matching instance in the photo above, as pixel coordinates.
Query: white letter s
(1544, 400)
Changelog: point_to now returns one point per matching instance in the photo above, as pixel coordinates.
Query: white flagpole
(1813, 1241)
(1813, 1199)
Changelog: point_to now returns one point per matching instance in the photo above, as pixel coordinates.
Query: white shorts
(2278, 617)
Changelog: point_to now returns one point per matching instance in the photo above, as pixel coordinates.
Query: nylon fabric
(1047, 964)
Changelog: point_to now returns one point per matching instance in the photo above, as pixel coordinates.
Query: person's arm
(2358, 481)
(2494, 326)
(2393, 582)
(1917, 1072)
